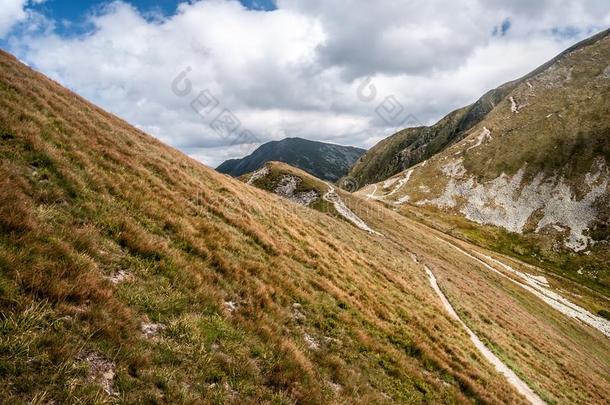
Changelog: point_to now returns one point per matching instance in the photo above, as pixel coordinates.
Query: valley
(132, 273)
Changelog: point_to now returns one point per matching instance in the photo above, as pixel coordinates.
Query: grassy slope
(592, 270)
(497, 240)
(411, 146)
(308, 183)
(562, 361)
(85, 196)
(404, 149)
(566, 109)
(525, 333)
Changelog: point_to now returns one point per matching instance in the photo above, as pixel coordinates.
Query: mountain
(132, 273)
(289, 182)
(411, 146)
(323, 160)
(304, 189)
(533, 173)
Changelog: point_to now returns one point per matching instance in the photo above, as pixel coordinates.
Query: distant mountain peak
(324, 160)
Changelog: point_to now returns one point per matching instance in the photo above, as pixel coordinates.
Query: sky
(216, 78)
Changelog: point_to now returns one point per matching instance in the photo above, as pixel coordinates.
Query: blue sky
(75, 10)
(70, 14)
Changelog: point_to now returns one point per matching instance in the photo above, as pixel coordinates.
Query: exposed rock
(483, 136)
(150, 330)
(231, 306)
(306, 198)
(337, 388)
(329, 339)
(454, 168)
(259, 174)
(508, 202)
(389, 182)
(403, 200)
(120, 276)
(447, 199)
(514, 107)
(296, 312)
(101, 371)
(563, 208)
(312, 343)
(287, 186)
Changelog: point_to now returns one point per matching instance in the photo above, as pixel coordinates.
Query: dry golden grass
(85, 197)
(563, 360)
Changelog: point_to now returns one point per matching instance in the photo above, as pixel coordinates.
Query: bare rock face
(535, 164)
(287, 186)
(511, 203)
(120, 276)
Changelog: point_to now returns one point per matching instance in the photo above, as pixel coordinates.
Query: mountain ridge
(324, 160)
(411, 146)
(535, 168)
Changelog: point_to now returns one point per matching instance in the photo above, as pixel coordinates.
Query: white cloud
(11, 12)
(295, 71)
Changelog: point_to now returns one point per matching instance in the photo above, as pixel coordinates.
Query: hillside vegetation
(106, 233)
(411, 146)
(532, 178)
(518, 327)
(130, 273)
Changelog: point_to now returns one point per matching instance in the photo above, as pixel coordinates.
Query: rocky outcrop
(512, 203)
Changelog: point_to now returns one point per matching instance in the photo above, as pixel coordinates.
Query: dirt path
(259, 174)
(371, 195)
(502, 368)
(401, 183)
(332, 197)
(542, 291)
